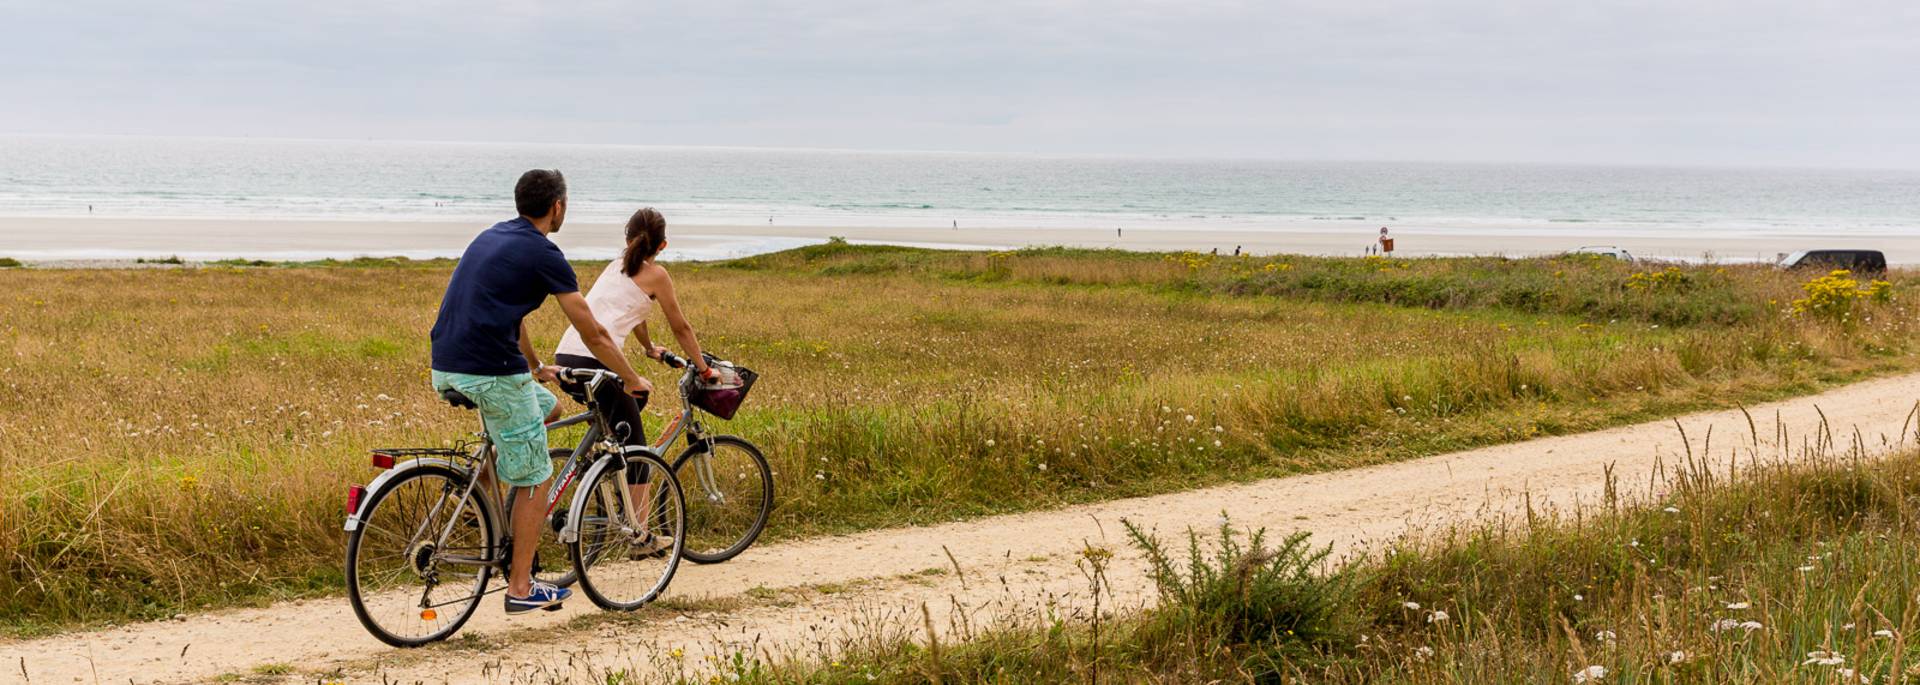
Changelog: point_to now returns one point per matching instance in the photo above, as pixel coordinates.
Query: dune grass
(1788, 574)
(183, 438)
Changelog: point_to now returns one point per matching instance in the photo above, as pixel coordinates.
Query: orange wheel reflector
(428, 614)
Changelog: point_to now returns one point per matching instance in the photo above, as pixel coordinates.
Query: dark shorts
(620, 411)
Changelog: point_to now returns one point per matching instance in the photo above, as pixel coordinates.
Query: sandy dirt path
(806, 598)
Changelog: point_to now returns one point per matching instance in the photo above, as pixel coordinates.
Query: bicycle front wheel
(729, 496)
(625, 559)
(420, 560)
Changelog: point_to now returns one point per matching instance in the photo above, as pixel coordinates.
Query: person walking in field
(481, 349)
(621, 299)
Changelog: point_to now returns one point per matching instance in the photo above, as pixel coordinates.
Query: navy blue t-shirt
(505, 274)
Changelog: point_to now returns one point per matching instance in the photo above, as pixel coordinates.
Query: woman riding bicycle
(621, 299)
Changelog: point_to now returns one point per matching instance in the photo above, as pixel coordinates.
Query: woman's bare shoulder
(653, 278)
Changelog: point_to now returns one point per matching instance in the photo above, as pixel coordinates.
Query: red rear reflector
(355, 494)
(384, 461)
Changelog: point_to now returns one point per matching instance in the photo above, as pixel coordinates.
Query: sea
(432, 181)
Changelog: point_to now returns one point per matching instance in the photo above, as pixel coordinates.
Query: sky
(1681, 82)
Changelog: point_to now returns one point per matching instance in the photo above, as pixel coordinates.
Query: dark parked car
(1857, 261)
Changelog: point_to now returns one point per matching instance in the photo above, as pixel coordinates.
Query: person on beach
(1386, 242)
(481, 349)
(621, 299)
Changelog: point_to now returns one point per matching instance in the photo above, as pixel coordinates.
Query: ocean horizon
(244, 178)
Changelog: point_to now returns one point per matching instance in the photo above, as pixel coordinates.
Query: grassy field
(180, 438)
(1788, 575)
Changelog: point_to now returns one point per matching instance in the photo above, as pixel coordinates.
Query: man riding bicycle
(481, 349)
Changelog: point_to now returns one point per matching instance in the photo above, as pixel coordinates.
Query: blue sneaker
(544, 596)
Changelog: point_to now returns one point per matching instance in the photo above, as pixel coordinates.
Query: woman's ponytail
(646, 234)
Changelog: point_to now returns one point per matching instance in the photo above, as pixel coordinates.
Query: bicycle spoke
(408, 589)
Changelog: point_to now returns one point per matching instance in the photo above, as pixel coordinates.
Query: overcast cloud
(1776, 83)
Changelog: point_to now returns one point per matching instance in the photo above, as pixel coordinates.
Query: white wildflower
(1437, 617)
(1415, 606)
(819, 475)
(1751, 626)
(1724, 625)
(1423, 653)
(1579, 598)
(1676, 657)
(1605, 636)
(989, 442)
(1736, 606)
(1590, 674)
(1043, 466)
(1672, 510)
(1851, 676)
(1883, 633)
(1805, 569)
(1824, 658)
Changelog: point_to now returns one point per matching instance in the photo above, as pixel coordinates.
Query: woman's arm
(660, 285)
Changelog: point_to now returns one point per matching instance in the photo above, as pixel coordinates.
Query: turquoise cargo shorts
(515, 409)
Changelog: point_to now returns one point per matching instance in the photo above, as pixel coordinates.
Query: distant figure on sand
(1386, 241)
(1118, 234)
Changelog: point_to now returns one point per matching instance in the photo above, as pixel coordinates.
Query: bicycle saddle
(454, 398)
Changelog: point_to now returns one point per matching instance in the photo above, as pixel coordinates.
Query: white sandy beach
(41, 240)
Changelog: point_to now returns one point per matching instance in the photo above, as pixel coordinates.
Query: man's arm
(533, 359)
(600, 342)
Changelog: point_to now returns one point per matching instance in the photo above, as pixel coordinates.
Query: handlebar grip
(673, 360)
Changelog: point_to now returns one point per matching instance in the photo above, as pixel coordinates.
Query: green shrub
(1273, 604)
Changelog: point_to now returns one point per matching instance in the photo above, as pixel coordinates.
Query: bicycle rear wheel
(416, 569)
(729, 496)
(608, 554)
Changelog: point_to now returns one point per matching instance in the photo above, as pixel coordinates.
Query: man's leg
(515, 419)
(528, 515)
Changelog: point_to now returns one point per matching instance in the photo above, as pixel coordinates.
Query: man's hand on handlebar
(637, 386)
(547, 373)
(655, 352)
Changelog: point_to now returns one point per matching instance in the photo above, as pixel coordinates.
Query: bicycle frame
(676, 427)
(477, 467)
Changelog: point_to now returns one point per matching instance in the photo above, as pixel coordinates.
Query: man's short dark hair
(537, 190)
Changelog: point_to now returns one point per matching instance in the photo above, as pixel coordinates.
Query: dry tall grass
(179, 438)
(1796, 571)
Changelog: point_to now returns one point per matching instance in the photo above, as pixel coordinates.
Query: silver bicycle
(425, 537)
